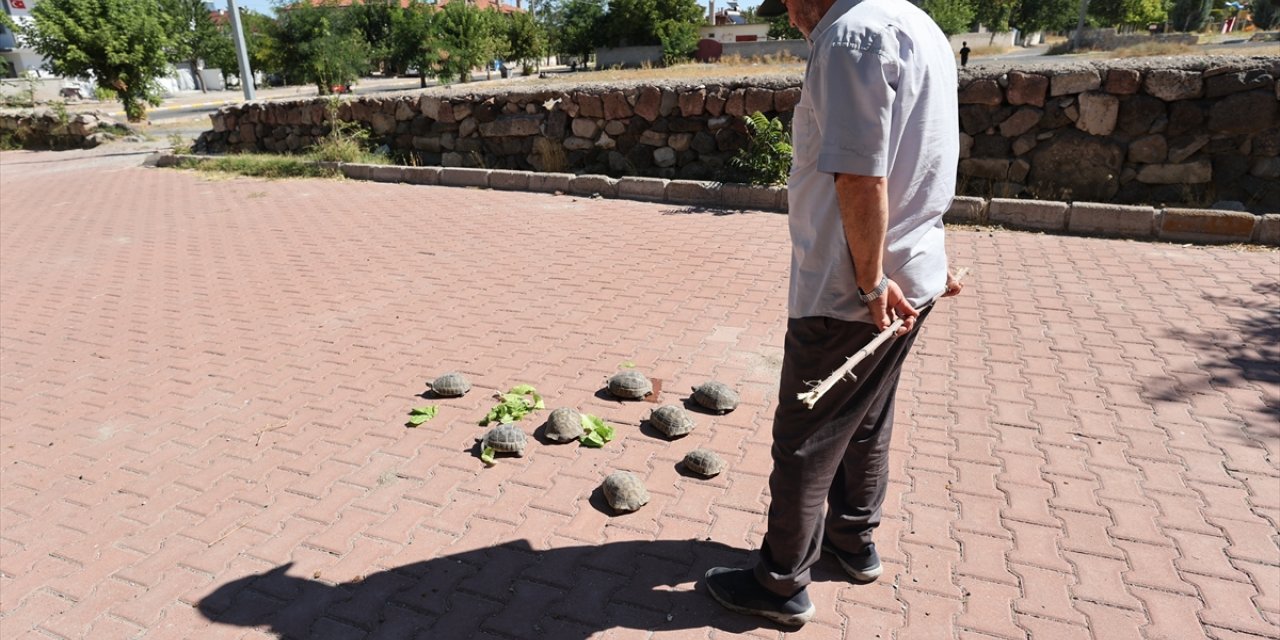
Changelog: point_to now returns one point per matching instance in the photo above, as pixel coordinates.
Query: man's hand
(891, 306)
(954, 287)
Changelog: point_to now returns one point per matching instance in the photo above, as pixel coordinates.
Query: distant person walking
(964, 54)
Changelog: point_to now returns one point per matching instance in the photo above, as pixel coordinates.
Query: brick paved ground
(204, 385)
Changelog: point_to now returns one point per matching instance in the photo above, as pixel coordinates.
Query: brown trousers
(835, 454)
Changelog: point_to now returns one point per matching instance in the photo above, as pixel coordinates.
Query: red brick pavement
(204, 384)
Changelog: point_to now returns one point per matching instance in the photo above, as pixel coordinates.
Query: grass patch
(728, 65)
(262, 166)
(1148, 49)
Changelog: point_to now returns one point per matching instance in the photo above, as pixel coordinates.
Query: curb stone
(1082, 218)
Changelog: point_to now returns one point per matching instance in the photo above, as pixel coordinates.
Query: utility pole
(1075, 37)
(242, 54)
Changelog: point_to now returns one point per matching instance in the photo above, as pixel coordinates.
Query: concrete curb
(1202, 226)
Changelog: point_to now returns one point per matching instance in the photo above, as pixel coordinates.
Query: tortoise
(505, 438)
(704, 462)
(716, 396)
(624, 491)
(630, 385)
(451, 385)
(564, 425)
(671, 420)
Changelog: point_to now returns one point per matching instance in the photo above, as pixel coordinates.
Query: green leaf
(605, 432)
(428, 411)
(627, 364)
(418, 419)
(486, 455)
(595, 431)
(592, 439)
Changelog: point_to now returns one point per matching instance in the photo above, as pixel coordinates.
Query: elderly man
(876, 145)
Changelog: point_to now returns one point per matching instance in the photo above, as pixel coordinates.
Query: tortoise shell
(564, 425)
(505, 438)
(704, 462)
(624, 491)
(671, 420)
(451, 385)
(630, 385)
(716, 396)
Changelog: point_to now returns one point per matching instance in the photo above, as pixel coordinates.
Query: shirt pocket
(806, 140)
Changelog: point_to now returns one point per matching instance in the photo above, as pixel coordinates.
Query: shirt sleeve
(853, 103)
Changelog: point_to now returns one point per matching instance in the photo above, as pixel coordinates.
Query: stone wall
(1197, 133)
(45, 128)
(1176, 131)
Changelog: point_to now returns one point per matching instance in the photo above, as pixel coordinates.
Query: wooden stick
(811, 397)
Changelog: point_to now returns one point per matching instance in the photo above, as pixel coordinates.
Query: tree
(526, 41)
(999, 15)
(780, 28)
(373, 19)
(467, 40)
(578, 25)
(256, 40)
(630, 23)
(414, 42)
(1046, 15)
(317, 45)
(1127, 12)
(1190, 15)
(678, 40)
(952, 16)
(121, 43)
(1266, 14)
(192, 35)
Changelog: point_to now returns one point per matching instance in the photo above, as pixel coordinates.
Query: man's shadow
(509, 590)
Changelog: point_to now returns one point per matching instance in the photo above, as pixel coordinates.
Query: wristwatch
(874, 293)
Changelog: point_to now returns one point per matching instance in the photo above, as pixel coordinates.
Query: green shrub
(766, 160)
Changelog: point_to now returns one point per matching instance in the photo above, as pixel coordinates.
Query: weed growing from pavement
(261, 166)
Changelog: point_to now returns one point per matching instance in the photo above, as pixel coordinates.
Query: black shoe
(863, 567)
(738, 590)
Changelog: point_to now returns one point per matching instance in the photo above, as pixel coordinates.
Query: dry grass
(982, 52)
(1148, 49)
(729, 65)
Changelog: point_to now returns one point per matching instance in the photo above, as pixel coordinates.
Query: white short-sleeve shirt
(879, 99)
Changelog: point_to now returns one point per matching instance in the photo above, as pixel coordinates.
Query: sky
(265, 6)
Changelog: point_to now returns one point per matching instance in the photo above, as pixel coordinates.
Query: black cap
(771, 9)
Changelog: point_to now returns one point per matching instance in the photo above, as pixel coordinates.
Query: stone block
(1098, 112)
(1199, 172)
(386, 173)
(550, 182)
(616, 106)
(966, 210)
(585, 128)
(1266, 167)
(1174, 84)
(653, 138)
(664, 157)
(985, 92)
(757, 99)
(985, 168)
(693, 102)
(1244, 113)
(575, 143)
(1072, 82)
(1207, 225)
(647, 189)
(356, 171)
(464, 177)
(1184, 147)
(590, 185)
(589, 105)
(1229, 83)
(742, 196)
(518, 125)
(648, 102)
(1046, 215)
(1267, 229)
(1027, 88)
(1112, 220)
(693, 192)
(422, 175)
(1152, 149)
(1020, 122)
(1122, 82)
(785, 100)
(507, 179)
(406, 109)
